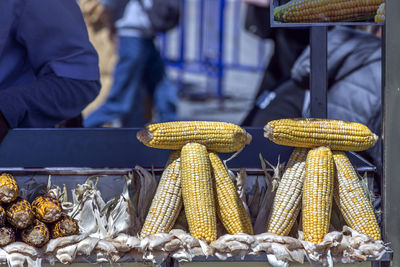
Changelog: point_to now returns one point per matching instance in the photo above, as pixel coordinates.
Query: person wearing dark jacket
(48, 68)
(354, 86)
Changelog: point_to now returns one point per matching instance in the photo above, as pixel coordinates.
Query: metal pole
(318, 77)
(391, 129)
(181, 48)
(220, 62)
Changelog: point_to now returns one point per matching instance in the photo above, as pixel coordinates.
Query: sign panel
(301, 13)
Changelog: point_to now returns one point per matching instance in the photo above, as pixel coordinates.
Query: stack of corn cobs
(196, 177)
(318, 170)
(35, 223)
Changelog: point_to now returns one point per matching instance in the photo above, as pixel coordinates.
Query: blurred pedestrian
(354, 86)
(139, 66)
(48, 68)
(288, 45)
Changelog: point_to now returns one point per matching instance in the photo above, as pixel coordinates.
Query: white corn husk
(125, 243)
(88, 205)
(142, 190)
(267, 194)
(347, 246)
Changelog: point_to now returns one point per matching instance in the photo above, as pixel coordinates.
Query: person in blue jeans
(139, 67)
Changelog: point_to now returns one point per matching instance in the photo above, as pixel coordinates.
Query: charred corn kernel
(7, 236)
(36, 235)
(229, 206)
(380, 13)
(3, 216)
(326, 10)
(47, 209)
(351, 199)
(8, 188)
(317, 194)
(197, 192)
(287, 201)
(309, 133)
(19, 213)
(167, 202)
(216, 136)
(66, 226)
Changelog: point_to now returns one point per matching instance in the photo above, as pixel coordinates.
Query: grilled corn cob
(229, 206)
(309, 133)
(19, 213)
(66, 226)
(36, 235)
(351, 200)
(197, 192)
(317, 194)
(216, 136)
(7, 236)
(326, 10)
(47, 209)
(8, 188)
(287, 201)
(3, 216)
(380, 14)
(167, 203)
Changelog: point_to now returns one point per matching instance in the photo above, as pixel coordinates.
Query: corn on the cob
(380, 13)
(326, 10)
(197, 192)
(3, 216)
(351, 199)
(317, 194)
(36, 235)
(287, 201)
(8, 188)
(216, 136)
(66, 226)
(47, 209)
(230, 208)
(19, 213)
(7, 236)
(167, 202)
(309, 133)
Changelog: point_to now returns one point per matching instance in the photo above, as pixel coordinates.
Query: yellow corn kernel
(351, 200)
(8, 188)
(317, 194)
(167, 202)
(309, 133)
(230, 208)
(287, 200)
(306, 11)
(197, 192)
(216, 136)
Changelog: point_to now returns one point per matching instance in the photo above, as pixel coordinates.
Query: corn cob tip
(144, 136)
(268, 131)
(248, 138)
(376, 138)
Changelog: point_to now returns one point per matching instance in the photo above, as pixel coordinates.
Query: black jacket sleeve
(46, 101)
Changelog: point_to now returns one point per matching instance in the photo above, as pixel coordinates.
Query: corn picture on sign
(328, 11)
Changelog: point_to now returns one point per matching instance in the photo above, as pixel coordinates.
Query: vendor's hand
(3, 127)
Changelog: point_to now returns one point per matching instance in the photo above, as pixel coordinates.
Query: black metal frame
(116, 150)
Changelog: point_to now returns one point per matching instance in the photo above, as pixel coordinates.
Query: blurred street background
(216, 64)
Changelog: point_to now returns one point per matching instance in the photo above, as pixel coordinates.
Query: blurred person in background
(289, 43)
(48, 68)
(354, 86)
(139, 66)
